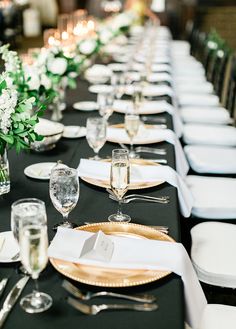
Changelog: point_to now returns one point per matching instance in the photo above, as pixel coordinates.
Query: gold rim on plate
(135, 142)
(115, 278)
(132, 186)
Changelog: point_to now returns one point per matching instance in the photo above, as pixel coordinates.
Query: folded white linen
(152, 107)
(209, 134)
(151, 90)
(159, 77)
(141, 174)
(211, 159)
(213, 115)
(146, 136)
(214, 197)
(138, 254)
(186, 99)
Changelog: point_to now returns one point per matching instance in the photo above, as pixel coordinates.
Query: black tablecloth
(93, 205)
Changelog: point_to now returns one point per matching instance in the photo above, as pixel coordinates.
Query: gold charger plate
(132, 186)
(135, 142)
(115, 278)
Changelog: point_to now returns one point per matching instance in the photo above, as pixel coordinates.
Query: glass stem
(65, 218)
(119, 211)
(131, 146)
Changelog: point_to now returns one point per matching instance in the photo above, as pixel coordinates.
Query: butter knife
(11, 299)
(3, 283)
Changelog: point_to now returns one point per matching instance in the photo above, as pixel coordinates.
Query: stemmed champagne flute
(119, 181)
(132, 123)
(96, 134)
(33, 253)
(64, 192)
(105, 102)
(118, 83)
(137, 97)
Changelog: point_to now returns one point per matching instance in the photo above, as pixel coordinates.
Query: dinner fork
(146, 149)
(156, 119)
(165, 201)
(143, 298)
(95, 309)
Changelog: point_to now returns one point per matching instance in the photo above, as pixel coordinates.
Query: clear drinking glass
(137, 97)
(33, 252)
(105, 103)
(118, 83)
(29, 209)
(132, 123)
(64, 192)
(119, 181)
(96, 134)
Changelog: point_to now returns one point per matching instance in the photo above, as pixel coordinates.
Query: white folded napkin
(138, 254)
(140, 174)
(151, 90)
(149, 135)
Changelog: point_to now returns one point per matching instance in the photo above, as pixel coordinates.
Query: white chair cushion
(214, 115)
(209, 135)
(213, 253)
(203, 88)
(186, 99)
(218, 316)
(214, 197)
(211, 159)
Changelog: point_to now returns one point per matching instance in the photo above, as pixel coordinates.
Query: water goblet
(33, 240)
(119, 181)
(96, 134)
(105, 102)
(132, 123)
(64, 192)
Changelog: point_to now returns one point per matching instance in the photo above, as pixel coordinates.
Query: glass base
(64, 224)
(119, 218)
(4, 187)
(133, 155)
(36, 302)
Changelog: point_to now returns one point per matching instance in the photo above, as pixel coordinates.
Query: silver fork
(95, 309)
(143, 298)
(152, 150)
(128, 200)
(152, 119)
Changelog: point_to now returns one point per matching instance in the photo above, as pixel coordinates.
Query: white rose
(46, 82)
(57, 66)
(87, 47)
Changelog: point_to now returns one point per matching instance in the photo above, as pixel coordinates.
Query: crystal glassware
(96, 134)
(64, 192)
(132, 123)
(119, 181)
(105, 102)
(33, 240)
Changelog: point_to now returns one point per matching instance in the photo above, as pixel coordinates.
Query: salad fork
(143, 298)
(95, 309)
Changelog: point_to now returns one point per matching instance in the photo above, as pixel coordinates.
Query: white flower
(8, 101)
(32, 77)
(105, 35)
(46, 82)
(57, 65)
(88, 46)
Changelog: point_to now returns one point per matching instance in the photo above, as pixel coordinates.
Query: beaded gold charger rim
(114, 278)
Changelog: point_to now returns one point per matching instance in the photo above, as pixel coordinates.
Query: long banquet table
(93, 206)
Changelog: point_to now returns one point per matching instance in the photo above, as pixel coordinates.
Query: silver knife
(11, 299)
(3, 283)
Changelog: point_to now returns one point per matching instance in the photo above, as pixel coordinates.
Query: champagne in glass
(96, 134)
(132, 124)
(33, 252)
(64, 192)
(119, 181)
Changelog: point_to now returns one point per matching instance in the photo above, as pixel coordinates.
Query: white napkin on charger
(151, 90)
(139, 174)
(150, 135)
(138, 254)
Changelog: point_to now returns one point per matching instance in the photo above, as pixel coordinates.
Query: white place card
(98, 247)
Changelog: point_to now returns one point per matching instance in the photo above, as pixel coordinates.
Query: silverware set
(153, 119)
(11, 298)
(146, 302)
